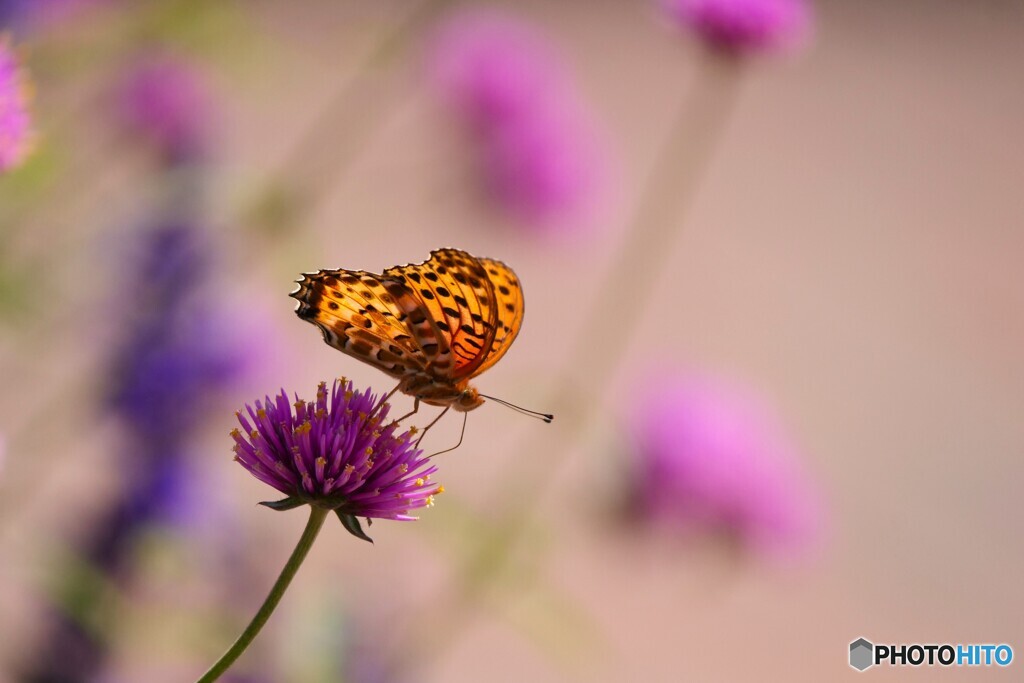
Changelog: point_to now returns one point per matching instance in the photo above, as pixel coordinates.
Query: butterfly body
(433, 325)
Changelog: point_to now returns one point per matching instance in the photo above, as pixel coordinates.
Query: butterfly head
(468, 399)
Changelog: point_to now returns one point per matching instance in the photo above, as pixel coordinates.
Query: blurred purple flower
(166, 101)
(335, 452)
(540, 150)
(34, 14)
(173, 357)
(745, 26)
(15, 122)
(176, 348)
(710, 456)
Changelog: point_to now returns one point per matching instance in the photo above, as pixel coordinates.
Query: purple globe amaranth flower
(167, 101)
(337, 452)
(15, 120)
(541, 155)
(745, 26)
(711, 456)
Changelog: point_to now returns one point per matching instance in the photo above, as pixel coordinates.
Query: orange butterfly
(434, 325)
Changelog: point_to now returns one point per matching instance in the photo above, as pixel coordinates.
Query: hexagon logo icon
(862, 654)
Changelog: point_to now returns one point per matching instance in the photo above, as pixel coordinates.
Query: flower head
(15, 122)
(336, 451)
(709, 455)
(744, 25)
(539, 149)
(167, 101)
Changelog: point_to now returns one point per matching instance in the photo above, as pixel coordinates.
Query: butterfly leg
(415, 409)
(447, 450)
(387, 398)
(425, 429)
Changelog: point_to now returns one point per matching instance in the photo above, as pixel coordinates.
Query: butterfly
(434, 326)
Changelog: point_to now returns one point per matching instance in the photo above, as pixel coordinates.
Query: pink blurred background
(852, 253)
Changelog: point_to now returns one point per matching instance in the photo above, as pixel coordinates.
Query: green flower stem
(313, 526)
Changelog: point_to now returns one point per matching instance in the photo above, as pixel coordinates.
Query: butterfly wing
(476, 307)
(509, 307)
(364, 316)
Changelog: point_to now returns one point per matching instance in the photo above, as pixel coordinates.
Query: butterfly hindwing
(509, 308)
(455, 288)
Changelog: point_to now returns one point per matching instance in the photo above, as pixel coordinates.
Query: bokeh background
(797, 254)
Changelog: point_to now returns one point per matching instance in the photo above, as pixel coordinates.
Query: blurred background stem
(650, 236)
(309, 169)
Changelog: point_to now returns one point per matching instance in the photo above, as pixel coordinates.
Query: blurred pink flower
(166, 100)
(15, 122)
(539, 146)
(541, 170)
(710, 456)
(745, 25)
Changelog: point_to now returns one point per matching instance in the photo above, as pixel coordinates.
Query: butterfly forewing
(364, 317)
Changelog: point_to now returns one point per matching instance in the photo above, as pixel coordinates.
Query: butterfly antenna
(547, 417)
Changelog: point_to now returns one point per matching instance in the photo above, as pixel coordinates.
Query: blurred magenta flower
(710, 456)
(745, 26)
(541, 155)
(15, 121)
(336, 452)
(543, 170)
(167, 102)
